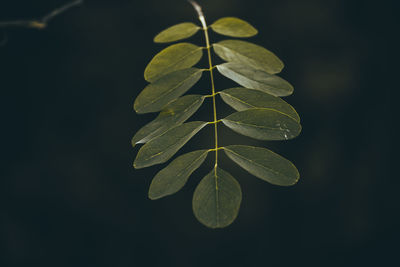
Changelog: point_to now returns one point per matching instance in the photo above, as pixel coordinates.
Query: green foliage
(216, 200)
(172, 178)
(177, 32)
(241, 99)
(249, 55)
(260, 114)
(233, 27)
(163, 147)
(175, 57)
(157, 95)
(263, 124)
(175, 113)
(264, 164)
(256, 79)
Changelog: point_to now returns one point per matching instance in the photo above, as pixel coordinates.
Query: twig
(40, 23)
(199, 11)
(60, 10)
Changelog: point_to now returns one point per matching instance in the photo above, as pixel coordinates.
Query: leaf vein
(251, 125)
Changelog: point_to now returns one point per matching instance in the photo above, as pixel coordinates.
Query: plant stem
(208, 47)
(41, 23)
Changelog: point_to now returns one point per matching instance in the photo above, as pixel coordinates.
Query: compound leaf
(162, 148)
(248, 54)
(177, 32)
(233, 27)
(256, 79)
(173, 177)
(261, 114)
(217, 198)
(172, 115)
(241, 99)
(263, 124)
(175, 57)
(157, 95)
(264, 164)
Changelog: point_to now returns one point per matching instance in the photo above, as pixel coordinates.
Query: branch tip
(60, 10)
(196, 6)
(41, 23)
(199, 11)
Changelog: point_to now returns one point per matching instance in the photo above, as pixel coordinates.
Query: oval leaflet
(263, 124)
(157, 95)
(264, 164)
(256, 79)
(172, 115)
(162, 148)
(248, 54)
(177, 32)
(242, 99)
(217, 198)
(175, 57)
(173, 177)
(233, 27)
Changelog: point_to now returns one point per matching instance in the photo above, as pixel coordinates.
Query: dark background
(70, 196)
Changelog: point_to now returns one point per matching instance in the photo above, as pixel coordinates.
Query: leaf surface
(173, 177)
(175, 57)
(233, 27)
(263, 124)
(241, 99)
(162, 148)
(177, 32)
(172, 115)
(248, 54)
(256, 79)
(157, 95)
(264, 164)
(217, 198)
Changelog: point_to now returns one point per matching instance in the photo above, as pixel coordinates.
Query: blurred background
(70, 196)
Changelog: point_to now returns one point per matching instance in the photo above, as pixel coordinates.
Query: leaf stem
(213, 149)
(211, 67)
(207, 96)
(213, 122)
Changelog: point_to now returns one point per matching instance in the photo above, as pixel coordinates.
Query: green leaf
(162, 148)
(242, 99)
(173, 177)
(263, 124)
(264, 164)
(256, 79)
(175, 57)
(261, 114)
(172, 115)
(248, 54)
(234, 27)
(177, 32)
(217, 198)
(157, 95)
